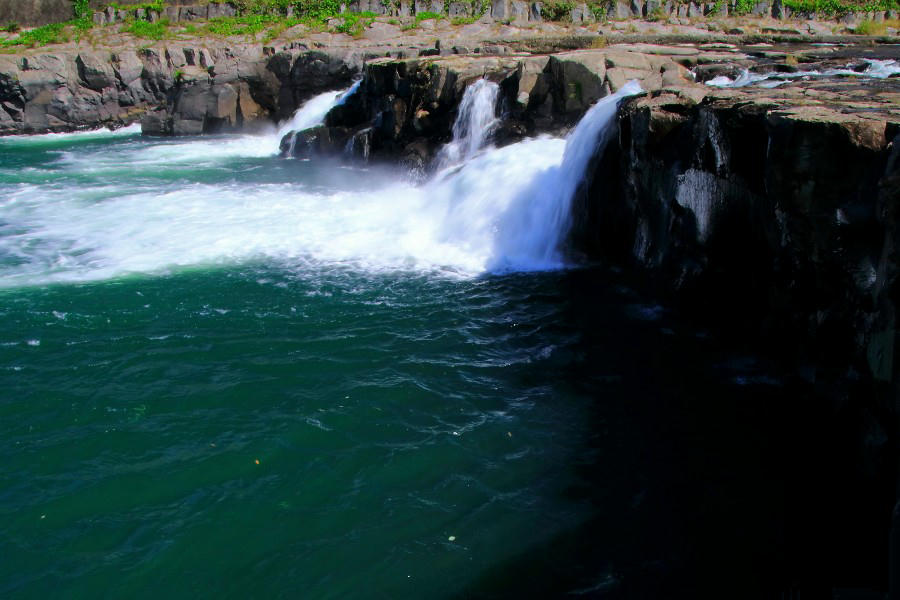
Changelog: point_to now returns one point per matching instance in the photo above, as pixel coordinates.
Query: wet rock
(732, 200)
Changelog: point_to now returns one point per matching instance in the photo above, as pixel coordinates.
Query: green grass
(558, 10)
(355, 23)
(837, 8)
(870, 28)
(154, 6)
(427, 16)
(422, 16)
(148, 31)
(56, 33)
(235, 26)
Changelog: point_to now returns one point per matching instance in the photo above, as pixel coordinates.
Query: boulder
(578, 79)
(500, 10)
(519, 11)
(95, 70)
(127, 67)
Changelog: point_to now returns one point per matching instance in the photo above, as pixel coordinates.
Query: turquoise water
(228, 374)
(256, 425)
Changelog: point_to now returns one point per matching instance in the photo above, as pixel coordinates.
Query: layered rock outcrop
(178, 90)
(781, 202)
(406, 108)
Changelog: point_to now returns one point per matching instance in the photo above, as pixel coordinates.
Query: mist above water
(125, 205)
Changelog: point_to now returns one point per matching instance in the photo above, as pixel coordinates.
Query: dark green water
(227, 375)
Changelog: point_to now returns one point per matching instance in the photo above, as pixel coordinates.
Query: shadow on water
(712, 466)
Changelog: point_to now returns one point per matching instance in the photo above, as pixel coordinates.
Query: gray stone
(95, 71)
(192, 13)
(637, 8)
(518, 10)
(175, 58)
(206, 60)
(500, 10)
(578, 78)
(852, 19)
(215, 11)
(694, 10)
(534, 81)
(127, 67)
(536, 12)
(581, 14)
(222, 105)
(777, 9)
(187, 127)
(99, 18)
(156, 123)
(761, 9)
(458, 9)
(621, 10)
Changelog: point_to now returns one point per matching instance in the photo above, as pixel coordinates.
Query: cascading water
(474, 123)
(312, 113)
(876, 69)
(536, 223)
(218, 201)
(513, 204)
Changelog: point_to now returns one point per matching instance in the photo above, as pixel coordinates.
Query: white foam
(505, 209)
(103, 132)
(474, 124)
(876, 69)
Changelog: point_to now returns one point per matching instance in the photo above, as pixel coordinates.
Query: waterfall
(503, 209)
(537, 221)
(313, 113)
(474, 123)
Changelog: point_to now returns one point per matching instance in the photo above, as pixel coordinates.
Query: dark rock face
(407, 107)
(787, 214)
(234, 92)
(59, 92)
(178, 90)
(780, 224)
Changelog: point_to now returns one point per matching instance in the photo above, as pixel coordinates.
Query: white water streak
(505, 209)
(475, 121)
(312, 113)
(876, 69)
(103, 132)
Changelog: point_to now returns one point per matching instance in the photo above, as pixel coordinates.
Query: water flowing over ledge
(876, 69)
(500, 209)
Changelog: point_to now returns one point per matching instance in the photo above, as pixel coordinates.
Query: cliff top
(409, 28)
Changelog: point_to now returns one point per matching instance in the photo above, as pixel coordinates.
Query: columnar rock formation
(39, 12)
(197, 90)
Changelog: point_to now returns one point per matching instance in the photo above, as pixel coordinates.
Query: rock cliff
(179, 90)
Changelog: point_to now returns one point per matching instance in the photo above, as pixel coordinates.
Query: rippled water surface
(227, 374)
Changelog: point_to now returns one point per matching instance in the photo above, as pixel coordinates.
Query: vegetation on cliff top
(275, 16)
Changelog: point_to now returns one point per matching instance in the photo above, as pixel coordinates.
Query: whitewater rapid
(113, 206)
(875, 69)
